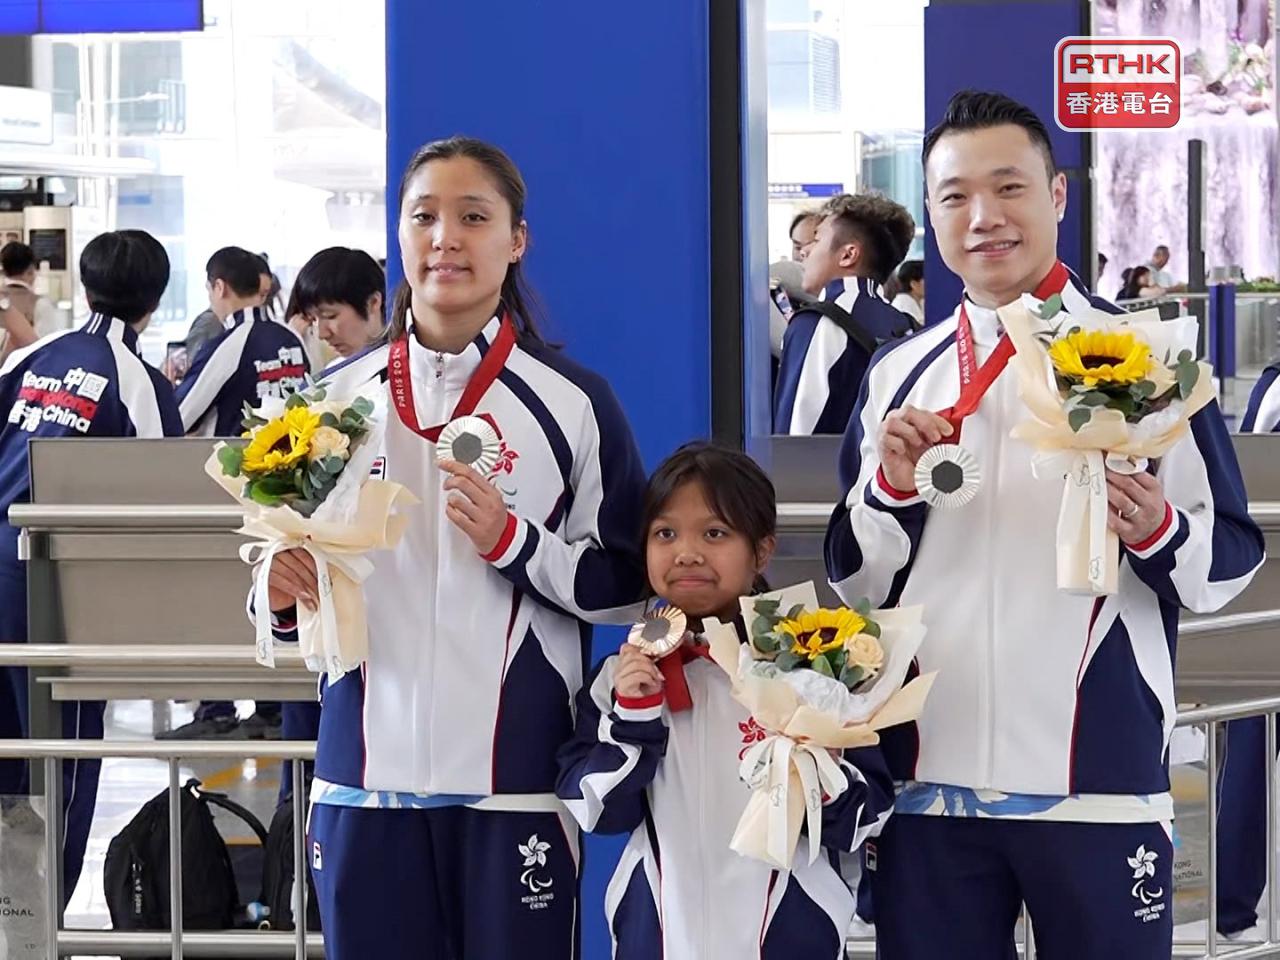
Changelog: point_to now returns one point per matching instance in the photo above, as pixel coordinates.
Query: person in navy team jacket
(90, 382)
(1037, 772)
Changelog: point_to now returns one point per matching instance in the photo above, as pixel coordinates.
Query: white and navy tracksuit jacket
(671, 781)
(474, 661)
(1061, 705)
(90, 382)
(1242, 777)
(821, 369)
(254, 359)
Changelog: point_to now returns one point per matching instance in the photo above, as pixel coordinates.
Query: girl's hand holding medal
(638, 675)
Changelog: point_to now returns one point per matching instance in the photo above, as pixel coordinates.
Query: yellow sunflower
(281, 442)
(1096, 357)
(813, 634)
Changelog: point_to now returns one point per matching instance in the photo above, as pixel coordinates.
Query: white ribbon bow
(326, 656)
(767, 766)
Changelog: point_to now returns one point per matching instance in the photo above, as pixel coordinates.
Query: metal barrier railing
(300, 944)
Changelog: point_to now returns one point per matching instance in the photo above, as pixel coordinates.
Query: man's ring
(1130, 513)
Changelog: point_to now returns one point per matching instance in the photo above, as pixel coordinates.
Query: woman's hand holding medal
(904, 437)
(474, 506)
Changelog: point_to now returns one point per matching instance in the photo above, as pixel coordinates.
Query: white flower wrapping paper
(359, 515)
(1088, 552)
(808, 716)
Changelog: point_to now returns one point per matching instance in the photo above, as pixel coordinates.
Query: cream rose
(864, 651)
(329, 442)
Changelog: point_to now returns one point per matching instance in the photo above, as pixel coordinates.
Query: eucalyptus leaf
(231, 458)
(1185, 356)
(762, 625)
(1188, 376)
(852, 675)
(766, 606)
(788, 661)
(295, 400)
(1078, 417)
(767, 642)
(1051, 307)
(362, 405)
(835, 659)
(329, 420)
(821, 666)
(872, 629)
(264, 497)
(1094, 399)
(795, 612)
(1144, 388)
(333, 465)
(863, 607)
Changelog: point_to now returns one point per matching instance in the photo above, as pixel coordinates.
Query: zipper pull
(439, 365)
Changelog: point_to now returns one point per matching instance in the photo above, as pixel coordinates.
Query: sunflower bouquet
(302, 478)
(818, 681)
(295, 458)
(842, 644)
(1104, 392)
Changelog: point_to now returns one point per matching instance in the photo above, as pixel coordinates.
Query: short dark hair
(910, 272)
(737, 490)
(237, 268)
(882, 228)
(16, 259)
(979, 110)
(800, 218)
(1162, 249)
(124, 273)
(337, 275)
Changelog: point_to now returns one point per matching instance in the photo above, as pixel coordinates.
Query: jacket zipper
(991, 604)
(436, 396)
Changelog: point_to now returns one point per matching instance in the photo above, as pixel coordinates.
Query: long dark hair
(1134, 279)
(517, 296)
(740, 493)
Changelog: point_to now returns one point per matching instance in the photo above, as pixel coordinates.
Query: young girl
(670, 778)
(435, 831)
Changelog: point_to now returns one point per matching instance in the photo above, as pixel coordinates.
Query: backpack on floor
(136, 874)
(277, 874)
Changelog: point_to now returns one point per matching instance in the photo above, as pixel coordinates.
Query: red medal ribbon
(976, 381)
(490, 366)
(674, 686)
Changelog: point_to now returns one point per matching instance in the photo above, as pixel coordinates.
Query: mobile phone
(176, 361)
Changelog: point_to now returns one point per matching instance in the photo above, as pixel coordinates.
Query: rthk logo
(1117, 83)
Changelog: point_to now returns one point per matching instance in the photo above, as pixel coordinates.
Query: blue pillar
(604, 108)
(1222, 330)
(1007, 46)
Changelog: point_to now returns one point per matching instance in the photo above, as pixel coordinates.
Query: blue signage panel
(99, 16)
(804, 191)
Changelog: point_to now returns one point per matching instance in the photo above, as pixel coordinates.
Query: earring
(1061, 214)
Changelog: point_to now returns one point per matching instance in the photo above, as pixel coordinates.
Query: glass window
(265, 130)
